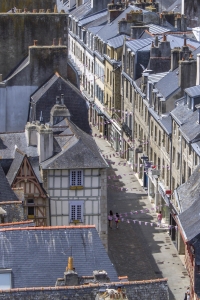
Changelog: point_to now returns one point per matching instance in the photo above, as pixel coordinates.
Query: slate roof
(38, 256)
(10, 141)
(193, 91)
(117, 41)
(156, 29)
(6, 193)
(190, 220)
(191, 128)
(189, 192)
(15, 166)
(166, 124)
(169, 84)
(95, 29)
(45, 98)
(93, 17)
(82, 10)
(181, 113)
(136, 45)
(80, 151)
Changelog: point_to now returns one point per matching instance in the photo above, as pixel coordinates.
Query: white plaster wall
(14, 107)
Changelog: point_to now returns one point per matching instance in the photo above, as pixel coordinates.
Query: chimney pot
(48, 11)
(34, 11)
(70, 266)
(185, 42)
(35, 42)
(25, 10)
(55, 9)
(1, 77)
(60, 41)
(164, 38)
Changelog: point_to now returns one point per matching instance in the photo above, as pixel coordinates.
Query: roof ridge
(51, 288)
(49, 227)
(16, 223)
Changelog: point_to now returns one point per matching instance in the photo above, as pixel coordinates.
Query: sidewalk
(141, 252)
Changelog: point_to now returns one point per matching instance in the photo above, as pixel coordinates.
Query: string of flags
(166, 226)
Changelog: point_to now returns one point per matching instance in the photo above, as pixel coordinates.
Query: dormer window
(5, 279)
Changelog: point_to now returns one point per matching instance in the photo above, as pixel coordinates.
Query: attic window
(5, 279)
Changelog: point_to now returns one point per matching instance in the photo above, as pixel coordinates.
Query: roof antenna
(41, 117)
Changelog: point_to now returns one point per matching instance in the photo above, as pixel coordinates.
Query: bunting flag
(156, 224)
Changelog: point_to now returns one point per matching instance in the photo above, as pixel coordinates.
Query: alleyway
(140, 252)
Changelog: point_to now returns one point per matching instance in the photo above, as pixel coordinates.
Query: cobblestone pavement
(138, 251)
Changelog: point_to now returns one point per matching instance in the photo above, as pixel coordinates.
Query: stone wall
(151, 290)
(6, 5)
(15, 211)
(18, 30)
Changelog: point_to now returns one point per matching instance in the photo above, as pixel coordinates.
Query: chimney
(198, 109)
(45, 142)
(101, 276)
(41, 117)
(98, 5)
(175, 58)
(198, 69)
(183, 7)
(35, 43)
(187, 73)
(59, 111)
(1, 77)
(70, 276)
(136, 31)
(164, 47)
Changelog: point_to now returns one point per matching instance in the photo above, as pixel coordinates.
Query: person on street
(159, 218)
(110, 219)
(117, 220)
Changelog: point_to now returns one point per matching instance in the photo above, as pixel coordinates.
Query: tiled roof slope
(17, 161)
(45, 98)
(38, 256)
(6, 193)
(80, 151)
(189, 192)
(190, 220)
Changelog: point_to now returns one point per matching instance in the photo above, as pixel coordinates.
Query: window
(173, 155)
(76, 211)
(159, 138)
(178, 160)
(76, 178)
(31, 209)
(5, 279)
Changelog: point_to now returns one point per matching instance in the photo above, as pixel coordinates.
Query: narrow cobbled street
(141, 252)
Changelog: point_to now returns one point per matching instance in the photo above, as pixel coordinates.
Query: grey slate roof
(117, 41)
(136, 45)
(156, 29)
(181, 113)
(6, 193)
(93, 17)
(166, 124)
(168, 84)
(189, 192)
(80, 151)
(8, 142)
(190, 220)
(193, 91)
(38, 256)
(95, 29)
(16, 164)
(191, 128)
(82, 10)
(45, 97)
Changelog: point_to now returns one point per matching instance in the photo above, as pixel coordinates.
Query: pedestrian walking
(185, 298)
(159, 218)
(117, 220)
(110, 219)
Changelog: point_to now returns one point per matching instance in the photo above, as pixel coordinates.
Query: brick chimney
(187, 73)
(175, 53)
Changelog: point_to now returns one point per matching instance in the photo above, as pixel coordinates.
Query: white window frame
(4, 273)
(76, 180)
(76, 204)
